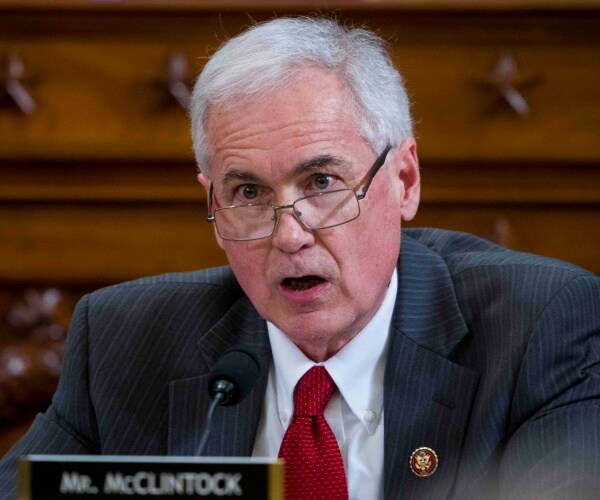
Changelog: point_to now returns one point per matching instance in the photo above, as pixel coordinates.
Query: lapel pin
(423, 461)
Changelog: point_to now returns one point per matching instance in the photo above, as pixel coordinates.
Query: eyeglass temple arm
(372, 171)
(211, 217)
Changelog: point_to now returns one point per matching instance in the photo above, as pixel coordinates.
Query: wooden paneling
(460, 120)
(93, 102)
(97, 185)
(97, 223)
(91, 82)
(103, 243)
(301, 5)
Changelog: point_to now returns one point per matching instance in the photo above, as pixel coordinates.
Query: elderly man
(393, 364)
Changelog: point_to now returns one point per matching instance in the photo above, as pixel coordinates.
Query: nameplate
(51, 477)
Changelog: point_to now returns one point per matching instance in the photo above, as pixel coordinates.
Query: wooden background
(97, 184)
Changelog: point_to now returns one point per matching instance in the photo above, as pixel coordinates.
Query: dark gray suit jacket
(494, 363)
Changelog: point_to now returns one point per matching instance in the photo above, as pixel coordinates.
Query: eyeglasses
(254, 221)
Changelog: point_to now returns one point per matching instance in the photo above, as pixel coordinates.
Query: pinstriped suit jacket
(494, 363)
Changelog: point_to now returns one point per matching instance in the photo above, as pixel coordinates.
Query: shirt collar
(357, 369)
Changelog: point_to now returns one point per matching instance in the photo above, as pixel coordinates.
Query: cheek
(387, 235)
(367, 254)
(248, 262)
(390, 213)
(380, 239)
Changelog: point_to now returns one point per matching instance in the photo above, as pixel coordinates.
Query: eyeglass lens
(248, 222)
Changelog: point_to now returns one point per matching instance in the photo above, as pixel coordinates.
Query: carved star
(509, 84)
(176, 84)
(13, 84)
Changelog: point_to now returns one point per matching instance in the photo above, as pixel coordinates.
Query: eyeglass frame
(366, 180)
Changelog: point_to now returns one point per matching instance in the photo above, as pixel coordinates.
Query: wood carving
(176, 83)
(30, 363)
(509, 84)
(13, 85)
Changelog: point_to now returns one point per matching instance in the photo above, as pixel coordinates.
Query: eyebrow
(314, 163)
(239, 175)
(318, 162)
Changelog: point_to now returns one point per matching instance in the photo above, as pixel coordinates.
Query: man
(452, 367)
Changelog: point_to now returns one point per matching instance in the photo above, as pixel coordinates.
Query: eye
(322, 181)
(249, 192)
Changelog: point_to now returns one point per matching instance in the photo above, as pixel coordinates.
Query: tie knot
(313, 392)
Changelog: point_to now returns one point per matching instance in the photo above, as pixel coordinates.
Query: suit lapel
(427, 398)
(234, 427)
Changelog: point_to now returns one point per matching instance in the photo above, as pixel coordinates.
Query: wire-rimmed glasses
(254, 221)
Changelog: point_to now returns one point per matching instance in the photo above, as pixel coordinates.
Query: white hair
(267, 55)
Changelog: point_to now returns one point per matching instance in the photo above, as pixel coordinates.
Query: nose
(290, 235)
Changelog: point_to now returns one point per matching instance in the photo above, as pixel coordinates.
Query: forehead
(310, 115)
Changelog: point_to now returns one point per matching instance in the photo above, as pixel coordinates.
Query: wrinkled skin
(292, 142)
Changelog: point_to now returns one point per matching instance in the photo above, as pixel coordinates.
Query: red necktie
(313, 463)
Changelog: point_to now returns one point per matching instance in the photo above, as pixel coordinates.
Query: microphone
(231, 380)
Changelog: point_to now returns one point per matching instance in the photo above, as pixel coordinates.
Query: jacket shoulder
(463, 252)
(211, 278)
(217, 276)
(209, 288)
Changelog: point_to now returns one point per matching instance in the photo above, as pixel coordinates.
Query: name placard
(51, 477)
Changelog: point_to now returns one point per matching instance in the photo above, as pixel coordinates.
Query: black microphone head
(239, 368)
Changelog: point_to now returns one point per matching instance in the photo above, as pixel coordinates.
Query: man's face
(319, 287)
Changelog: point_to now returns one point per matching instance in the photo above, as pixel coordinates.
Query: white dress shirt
(355, 411)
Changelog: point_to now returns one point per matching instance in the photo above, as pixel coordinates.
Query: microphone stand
(223, 391)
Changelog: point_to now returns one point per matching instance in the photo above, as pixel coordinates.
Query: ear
(205, 181)
(408, 162)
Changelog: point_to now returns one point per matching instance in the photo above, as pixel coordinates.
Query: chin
(312, 328)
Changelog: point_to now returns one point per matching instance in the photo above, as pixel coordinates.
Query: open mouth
(302, 283)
